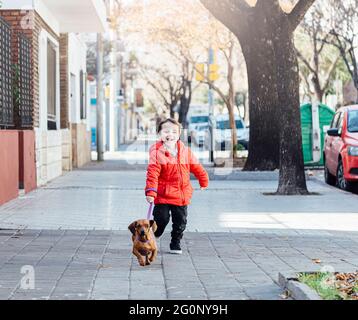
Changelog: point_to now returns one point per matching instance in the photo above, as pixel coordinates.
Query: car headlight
(353, 151)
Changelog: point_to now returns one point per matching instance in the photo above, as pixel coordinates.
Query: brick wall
(30, 23)
(64, 81)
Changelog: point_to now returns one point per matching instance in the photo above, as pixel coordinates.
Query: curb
(298, 290)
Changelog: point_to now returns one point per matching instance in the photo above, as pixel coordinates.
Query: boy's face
(169, 134)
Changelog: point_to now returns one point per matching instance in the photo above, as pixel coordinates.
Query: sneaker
(175, 248)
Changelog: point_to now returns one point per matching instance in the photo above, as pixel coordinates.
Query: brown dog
(144, 244)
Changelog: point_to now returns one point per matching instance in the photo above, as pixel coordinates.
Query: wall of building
(27, 167)
(66, 149)
(9, 165)
(81, 136)
(81, 145)
(48, 155)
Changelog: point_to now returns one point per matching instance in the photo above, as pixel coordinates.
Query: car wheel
(342, 183)
(328, 177)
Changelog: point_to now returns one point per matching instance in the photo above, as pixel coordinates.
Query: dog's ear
(132, 227)
(153, 225)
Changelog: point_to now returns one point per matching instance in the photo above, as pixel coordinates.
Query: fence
(15, 79)
(24, 82)
(6, 86)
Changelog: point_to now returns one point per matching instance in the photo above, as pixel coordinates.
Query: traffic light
(213, 72)
(200, 72)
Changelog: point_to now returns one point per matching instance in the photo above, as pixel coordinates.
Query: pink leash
(150, 211)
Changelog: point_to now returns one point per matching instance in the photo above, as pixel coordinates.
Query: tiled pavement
(74, 264)
(73, 235)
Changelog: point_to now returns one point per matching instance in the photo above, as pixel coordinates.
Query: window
(225, 125)
(353, 121)
(51, 86)
(83, 106)
(334, 123)
(198, 119)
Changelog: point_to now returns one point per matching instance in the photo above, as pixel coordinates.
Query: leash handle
(150, 211)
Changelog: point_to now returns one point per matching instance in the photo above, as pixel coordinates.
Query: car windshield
(199, 119)
(202, 128)
(225, 125)
(353, 121)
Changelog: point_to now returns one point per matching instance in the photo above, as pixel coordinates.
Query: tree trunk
(317, 88)
(233, 151)
(185, 101)
(231, 103)
(292, 178)
(263, 99)
(171, 109)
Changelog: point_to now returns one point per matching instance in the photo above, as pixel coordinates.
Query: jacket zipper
(181, 178)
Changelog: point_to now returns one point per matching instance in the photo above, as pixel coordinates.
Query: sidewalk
(73, 232)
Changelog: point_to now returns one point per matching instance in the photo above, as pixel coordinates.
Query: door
(328, 145)
(337, 144)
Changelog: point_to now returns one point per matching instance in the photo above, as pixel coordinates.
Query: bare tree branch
(304, 60)
(299, 12)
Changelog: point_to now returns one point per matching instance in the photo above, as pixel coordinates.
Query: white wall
(77, 55)
(48, 142)
(17, 4)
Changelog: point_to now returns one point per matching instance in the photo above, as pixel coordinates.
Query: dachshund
(144, 244)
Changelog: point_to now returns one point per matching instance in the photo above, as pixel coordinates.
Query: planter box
(298, 290)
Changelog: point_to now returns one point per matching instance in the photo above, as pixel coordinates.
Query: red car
(341, 149)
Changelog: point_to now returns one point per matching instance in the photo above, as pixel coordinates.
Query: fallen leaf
(285, 295)
(318, 261)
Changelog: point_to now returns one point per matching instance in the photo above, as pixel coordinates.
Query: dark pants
(179, 218)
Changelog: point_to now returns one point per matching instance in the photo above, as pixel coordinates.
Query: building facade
(43, 117)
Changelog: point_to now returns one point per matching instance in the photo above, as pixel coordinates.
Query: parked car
(199, 134)
(194, 121)
(222, 132)
(341, 149)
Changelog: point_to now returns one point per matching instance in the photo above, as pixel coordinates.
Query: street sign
(200, 72)
(213, 72)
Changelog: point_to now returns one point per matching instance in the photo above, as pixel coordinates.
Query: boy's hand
(203, 188)
(150, 199)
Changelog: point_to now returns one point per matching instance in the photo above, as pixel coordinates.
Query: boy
(168, 181)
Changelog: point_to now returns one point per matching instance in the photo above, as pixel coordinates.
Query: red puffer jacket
(168, 177)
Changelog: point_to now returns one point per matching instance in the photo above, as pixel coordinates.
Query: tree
(225, 41)
(318, 60)
(184, 40)
(167, 86)
(343, 34)
(265, 33)
(92, 57)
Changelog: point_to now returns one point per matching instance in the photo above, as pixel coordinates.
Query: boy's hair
(173, 121)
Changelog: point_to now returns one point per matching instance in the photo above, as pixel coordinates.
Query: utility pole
(100, 150)
(211, 107)
(113, 81)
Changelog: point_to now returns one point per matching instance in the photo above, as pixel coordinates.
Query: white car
(222, 132)
(199, 134)
(195, 121)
